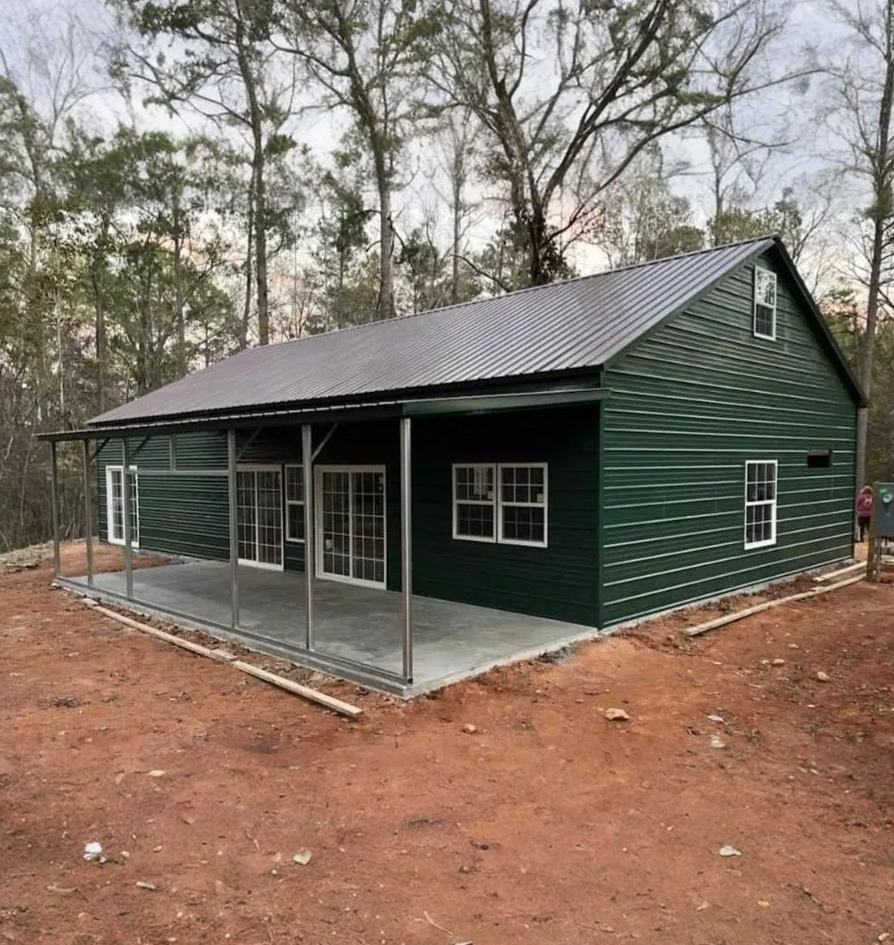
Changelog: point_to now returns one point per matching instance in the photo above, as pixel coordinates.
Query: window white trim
(768, 503)
(528, 505)
(497, 504)
(318, 525)
(252, 562)
(760, 298)
(492, 502)
(287, 501)
(111, 536)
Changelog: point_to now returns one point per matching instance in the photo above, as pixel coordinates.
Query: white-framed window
(523, 504)
(500, 502)
(764, 304)
(115, 505)
(294, 503)
(474, 502)
(760, 503)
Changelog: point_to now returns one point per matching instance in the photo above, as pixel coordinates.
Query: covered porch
(331, 579)
(357, 630)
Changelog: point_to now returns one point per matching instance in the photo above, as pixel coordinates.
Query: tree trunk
(261, 243)
(249, 268)
(867, 354)
(100, 342)
(258, 183)
(457, 231)
(882, 210)
(385, 305)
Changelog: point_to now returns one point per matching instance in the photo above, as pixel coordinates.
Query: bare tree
(220, 63)
(567, 95)
(365, 54)
(864, 88)
(456, 157)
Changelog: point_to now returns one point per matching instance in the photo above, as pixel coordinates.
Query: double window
(760, 503)
(115, 505)
(500, 502)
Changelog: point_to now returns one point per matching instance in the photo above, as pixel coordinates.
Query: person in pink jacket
(864, 510)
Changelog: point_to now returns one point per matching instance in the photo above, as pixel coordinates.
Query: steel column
(406, 545)
(234, 530)
(54, 490)
(125, 498)
(88, 512)
(309, 538)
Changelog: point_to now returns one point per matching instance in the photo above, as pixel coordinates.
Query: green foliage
(737, 222)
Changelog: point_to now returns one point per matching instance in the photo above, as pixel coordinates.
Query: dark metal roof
(578, 324)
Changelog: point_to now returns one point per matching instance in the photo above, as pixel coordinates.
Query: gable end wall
(687, 407)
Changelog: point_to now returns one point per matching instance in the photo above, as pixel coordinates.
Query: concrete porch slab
(363, 625)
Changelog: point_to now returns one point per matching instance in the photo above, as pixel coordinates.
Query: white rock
(823, 677)
(716, 718)
(93, 851)
(616, 715)
(727, 850)
(778, 662)
(717, 742)
(156, 773)
(302, 857)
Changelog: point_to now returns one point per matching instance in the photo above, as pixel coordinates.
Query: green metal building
(590, 452)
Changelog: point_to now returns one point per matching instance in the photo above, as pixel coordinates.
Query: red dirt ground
(547, 825)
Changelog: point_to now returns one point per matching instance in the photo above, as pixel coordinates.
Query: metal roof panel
(580, 323)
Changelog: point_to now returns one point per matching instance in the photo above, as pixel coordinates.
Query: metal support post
(126, 502)
(234, 531)
(88, 512)
(54, 489)
(308, 465)
(406, 545)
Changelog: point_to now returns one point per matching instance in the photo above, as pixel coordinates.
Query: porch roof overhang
(286, 415)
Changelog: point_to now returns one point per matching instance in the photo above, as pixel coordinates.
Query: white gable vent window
(764, 304)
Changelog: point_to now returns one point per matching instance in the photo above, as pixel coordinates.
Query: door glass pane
(245, 509)
(337, 523)
(368, 494)
(269, 515)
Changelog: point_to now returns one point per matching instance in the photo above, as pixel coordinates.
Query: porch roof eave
(373, 410)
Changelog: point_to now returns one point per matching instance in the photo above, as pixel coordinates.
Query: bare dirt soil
(547, 824)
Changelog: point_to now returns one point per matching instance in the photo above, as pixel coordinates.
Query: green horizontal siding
(688, 407)
(559, 581)
(184, 514)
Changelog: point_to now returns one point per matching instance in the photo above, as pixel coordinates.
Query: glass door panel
(352, 524)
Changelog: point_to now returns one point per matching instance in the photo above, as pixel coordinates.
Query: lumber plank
(767, 605)
(330, 702)
(822, 578)
(224, 656)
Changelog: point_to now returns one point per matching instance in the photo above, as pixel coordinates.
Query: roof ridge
(526, 289)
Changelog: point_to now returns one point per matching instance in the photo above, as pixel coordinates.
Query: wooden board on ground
(759, 608)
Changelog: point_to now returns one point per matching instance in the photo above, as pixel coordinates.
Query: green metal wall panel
(184, 514)
(559, 581)
(688, 407)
